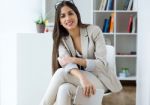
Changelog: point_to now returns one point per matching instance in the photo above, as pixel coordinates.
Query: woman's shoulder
(94, 30)
(92, 27)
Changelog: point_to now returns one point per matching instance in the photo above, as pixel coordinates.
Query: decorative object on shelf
(124, 72)
(48, 26)
(40, 25)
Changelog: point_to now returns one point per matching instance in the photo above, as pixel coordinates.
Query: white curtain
(143, 48)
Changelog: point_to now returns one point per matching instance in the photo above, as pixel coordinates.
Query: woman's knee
(59, 72)
(66, 89)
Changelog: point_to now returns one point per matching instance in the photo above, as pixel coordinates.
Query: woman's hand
(65, 60)
(88, 88)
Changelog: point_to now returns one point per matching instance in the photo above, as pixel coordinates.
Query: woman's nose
(67, 17)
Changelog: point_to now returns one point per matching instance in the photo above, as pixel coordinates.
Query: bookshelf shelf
(125, 11)
(103, 11)
(124, 35)
(130, 34)
(129, 56)
(108, 34)
(130, 78)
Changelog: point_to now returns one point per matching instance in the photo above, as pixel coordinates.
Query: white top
(78, 55)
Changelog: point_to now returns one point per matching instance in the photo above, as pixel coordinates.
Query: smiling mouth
(69, 23)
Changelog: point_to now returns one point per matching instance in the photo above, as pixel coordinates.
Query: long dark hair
(59, 31)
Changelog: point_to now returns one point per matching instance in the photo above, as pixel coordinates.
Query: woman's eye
(62, 16)
(70, 13)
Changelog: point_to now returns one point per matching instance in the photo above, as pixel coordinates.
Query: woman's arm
(62, 53)
(67, 59)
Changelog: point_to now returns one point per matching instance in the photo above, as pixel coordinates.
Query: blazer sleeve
(99, 62)
(63, 52)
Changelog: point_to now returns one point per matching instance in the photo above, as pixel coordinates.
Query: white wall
(34, 66)
(143, 64)
(16, 16)
(19, 15)
(85, 9)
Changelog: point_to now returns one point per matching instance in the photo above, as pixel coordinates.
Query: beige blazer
(94, 51)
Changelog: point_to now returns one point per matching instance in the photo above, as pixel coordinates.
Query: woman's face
(68, 18)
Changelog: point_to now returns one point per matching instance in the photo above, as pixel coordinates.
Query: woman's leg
(65, 94)
(61, 77)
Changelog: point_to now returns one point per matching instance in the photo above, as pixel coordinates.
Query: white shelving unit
(125, 42)
(33, 66)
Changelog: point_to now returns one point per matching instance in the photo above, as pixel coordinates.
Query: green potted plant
(40, 24)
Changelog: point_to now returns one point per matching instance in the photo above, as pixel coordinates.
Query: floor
(126, 97)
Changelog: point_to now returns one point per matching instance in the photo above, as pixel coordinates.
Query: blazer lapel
(84, 42)
(69, 44)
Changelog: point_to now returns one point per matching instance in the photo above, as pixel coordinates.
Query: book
(106, 25)
(109, 5)
(130, 22)
(109, 24)
(103, 5)
(81, 99)
(122, 4)
(111, 28)
(134, 24)
(130, 6)
(126, 3)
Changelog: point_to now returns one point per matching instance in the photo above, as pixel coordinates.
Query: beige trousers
(62, 87)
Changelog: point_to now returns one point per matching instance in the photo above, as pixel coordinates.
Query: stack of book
(108, 25)
(106, 5)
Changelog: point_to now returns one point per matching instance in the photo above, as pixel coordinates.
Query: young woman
(79, 58)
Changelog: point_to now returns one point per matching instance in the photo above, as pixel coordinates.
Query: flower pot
(40, 28)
